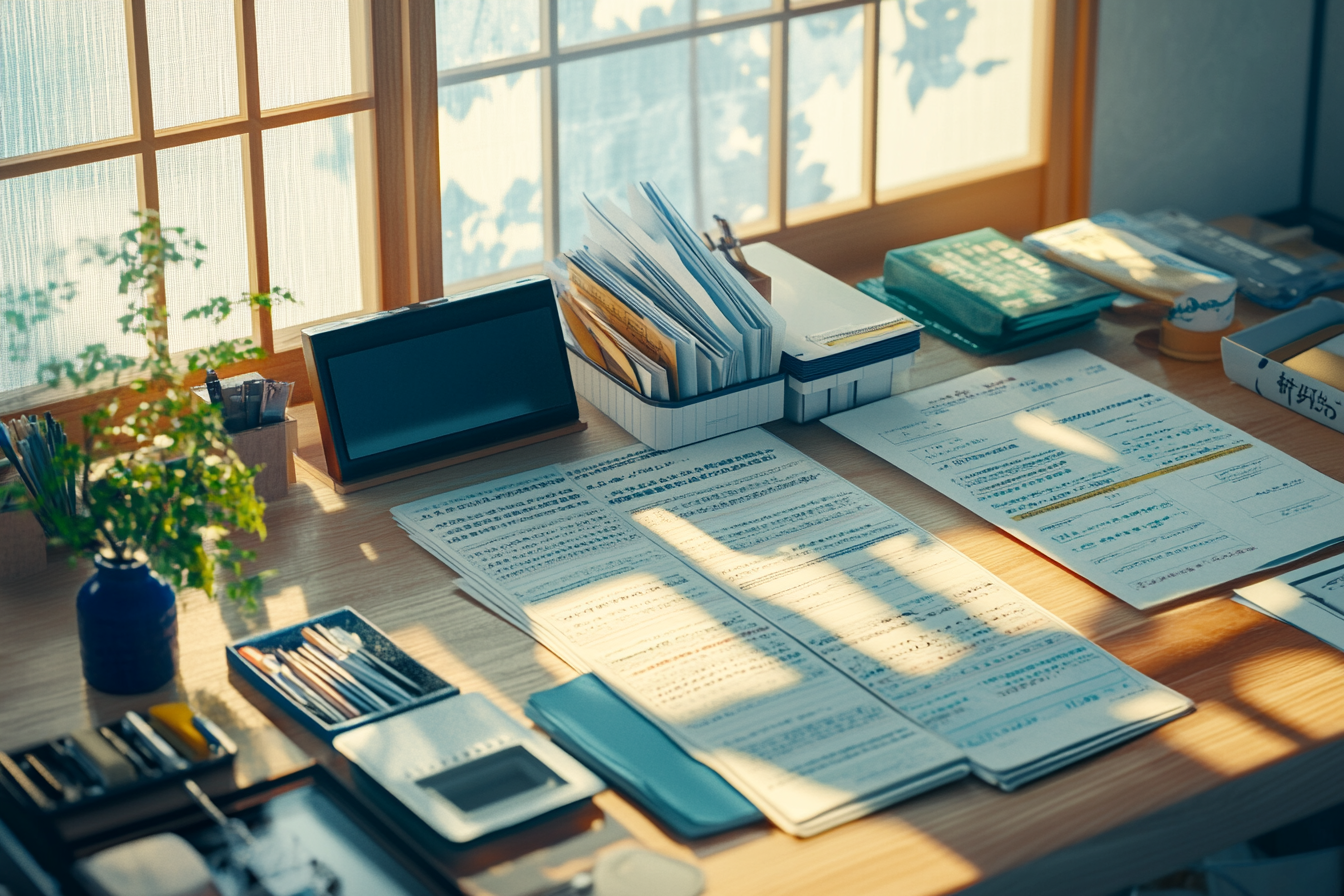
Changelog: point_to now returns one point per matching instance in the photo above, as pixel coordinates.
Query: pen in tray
(332, 675)
(133, 749)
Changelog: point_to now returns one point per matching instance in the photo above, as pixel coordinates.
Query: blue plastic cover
(628, 751)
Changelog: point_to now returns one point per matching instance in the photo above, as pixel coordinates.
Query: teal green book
(950, 331)
(986, 285)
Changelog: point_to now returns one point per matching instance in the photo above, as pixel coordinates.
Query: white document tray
(670, 424)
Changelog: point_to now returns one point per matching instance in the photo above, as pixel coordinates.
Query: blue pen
(213, 734)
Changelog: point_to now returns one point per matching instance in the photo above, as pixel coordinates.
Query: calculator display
(492, 779)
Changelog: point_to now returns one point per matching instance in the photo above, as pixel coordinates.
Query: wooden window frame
(1046, 185)
(400, 218)
(252, 121)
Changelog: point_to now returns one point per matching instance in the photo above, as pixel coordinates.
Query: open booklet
(1134, 489)
(813, 646)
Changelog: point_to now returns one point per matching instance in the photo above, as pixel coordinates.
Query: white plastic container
(814, 399)
(1245, 363)
(670, 424)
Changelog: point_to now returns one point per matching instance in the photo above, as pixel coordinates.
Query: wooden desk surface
(1266, 745)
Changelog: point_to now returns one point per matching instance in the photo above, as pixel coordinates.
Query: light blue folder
(601, 730)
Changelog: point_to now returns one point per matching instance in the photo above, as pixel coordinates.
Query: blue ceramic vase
(127, 628)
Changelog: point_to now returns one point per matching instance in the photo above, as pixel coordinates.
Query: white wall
(1201, 104)
(1328, 185)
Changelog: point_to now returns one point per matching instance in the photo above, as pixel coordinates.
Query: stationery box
(814, 399)
(663, 425)
(1245, 363)
(842, 348)
(375, 641)
(21, 784)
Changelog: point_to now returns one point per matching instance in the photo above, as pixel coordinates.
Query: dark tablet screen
(404, 387)
(458, 380)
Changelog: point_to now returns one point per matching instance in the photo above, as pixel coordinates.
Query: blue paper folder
(600, 729)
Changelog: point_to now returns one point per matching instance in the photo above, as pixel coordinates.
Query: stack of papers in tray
(649, 303)
(832, 327)
(818, 650)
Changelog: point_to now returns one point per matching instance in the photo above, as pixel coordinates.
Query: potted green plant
(153, 490)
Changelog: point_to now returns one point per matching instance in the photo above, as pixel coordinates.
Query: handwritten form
(820, 651)
(1134, 489)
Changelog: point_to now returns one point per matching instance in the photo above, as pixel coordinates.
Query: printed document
(1310, 598)
(1134, 489)
(788, 730)
(820, 651)
(904, 615)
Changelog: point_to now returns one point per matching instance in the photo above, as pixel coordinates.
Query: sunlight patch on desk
(326, 498)
(288, 607)
(369, 551)
(1220, 725)
(1286, 685)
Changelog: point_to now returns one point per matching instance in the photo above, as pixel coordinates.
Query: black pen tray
(375, 641)
(12, 770)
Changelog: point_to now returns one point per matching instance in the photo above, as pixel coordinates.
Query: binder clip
(731, 247)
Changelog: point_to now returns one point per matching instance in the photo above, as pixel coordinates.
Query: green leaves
(22, 309)
(181, 489)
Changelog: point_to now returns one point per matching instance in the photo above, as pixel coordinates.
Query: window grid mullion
(550, 130)
(868, 147)
(146, 161)
(778, 127)
(548, 60)
(635, 41)
(254, 176)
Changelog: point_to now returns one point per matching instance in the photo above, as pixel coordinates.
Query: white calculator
(466, 768)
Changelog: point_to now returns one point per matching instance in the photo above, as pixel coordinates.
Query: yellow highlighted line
(868, 333)
(1116, 486)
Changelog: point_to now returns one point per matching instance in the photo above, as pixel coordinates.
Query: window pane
(312, 219)
(60, 209)
(472, 31)
(201, 189)
(193, 62)
(63, 76)
(715, 9)
(624, 117)
(303, 50)
(825, 107)
(490, 168)
(733, 69)
(954, 92)
(588, 20)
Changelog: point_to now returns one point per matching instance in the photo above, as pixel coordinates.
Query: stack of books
(985, 292)
(1265, 273)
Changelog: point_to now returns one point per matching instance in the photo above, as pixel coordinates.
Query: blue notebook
(601, 730)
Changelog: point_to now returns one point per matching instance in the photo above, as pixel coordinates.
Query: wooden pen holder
(272, 447)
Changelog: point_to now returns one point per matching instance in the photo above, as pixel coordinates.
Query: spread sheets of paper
(816, 648)
(1310, 598)
(1134, 489)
